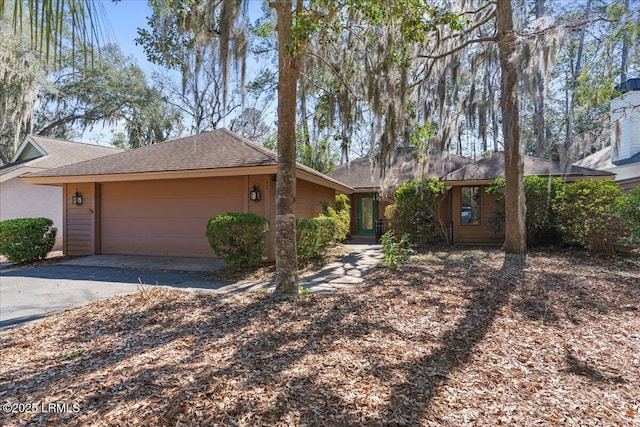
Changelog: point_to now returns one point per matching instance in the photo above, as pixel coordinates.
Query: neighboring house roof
(365, 173)
(219, 150)
(492, 167)
(601, 160)
(38, 153)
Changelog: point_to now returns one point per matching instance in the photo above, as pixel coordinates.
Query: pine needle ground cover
(455, 337)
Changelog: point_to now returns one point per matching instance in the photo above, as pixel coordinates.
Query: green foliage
(26, 239)
(416, 210)
(113, 90)
(421, 135)
(342, 215)
(314, 235)
(317, 154)
(629, 210)
(586, 210)
(238, 238)
(20, 75)
(74, 354)
(416, 19)
(539, 193)
(303, 291)
(395, 252)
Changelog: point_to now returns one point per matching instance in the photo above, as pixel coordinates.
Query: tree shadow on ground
(579, 367)
(411, 399)
(267, 353)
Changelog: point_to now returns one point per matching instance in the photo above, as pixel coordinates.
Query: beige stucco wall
(20, 200)
(309, 198)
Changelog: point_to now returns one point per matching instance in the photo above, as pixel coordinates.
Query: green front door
(366, 214)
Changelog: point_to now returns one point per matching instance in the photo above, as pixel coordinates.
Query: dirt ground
(456, 337)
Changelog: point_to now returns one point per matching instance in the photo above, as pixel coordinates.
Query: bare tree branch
(459, 48)
(335, 72)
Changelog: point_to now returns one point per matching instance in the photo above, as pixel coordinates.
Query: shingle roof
(210, 150)
(59, 152)
(492, 167)
(217, 149)
(601, 159)
(405, 165)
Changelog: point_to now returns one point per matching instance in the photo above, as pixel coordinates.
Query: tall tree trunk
(539, 126)
(515, 239)
(624, 54)
(288, 69)
(576, 71)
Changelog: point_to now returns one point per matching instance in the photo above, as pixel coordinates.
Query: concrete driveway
(31, 293)
(28, 294)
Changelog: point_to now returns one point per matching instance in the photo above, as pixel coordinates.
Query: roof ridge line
(253, 145)
(73, 142)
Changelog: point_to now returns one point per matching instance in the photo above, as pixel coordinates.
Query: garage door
(167, 218)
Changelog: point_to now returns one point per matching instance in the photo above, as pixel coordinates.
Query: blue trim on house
(633, 159)
(628, 86)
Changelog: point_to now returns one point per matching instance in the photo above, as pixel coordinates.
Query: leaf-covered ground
(457, 337)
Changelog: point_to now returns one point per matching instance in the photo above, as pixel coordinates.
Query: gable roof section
(38, 153)
(365, 173)
(220, 150)
(492, 167)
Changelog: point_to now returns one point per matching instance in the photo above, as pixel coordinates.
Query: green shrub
(343, 211)
(416, 209)
(238, 238)
(629, 210)
(585, 210)
(314, 235)
(342, 217)
(395, 253)
(26, 239)
(539, 193)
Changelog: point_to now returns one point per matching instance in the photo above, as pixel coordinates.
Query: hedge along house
(374, 183)
(37, 154)
(157, 200)
(622, 156)
(472, 206)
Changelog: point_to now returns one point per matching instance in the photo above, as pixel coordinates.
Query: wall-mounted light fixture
(76, 199)
(254, 195)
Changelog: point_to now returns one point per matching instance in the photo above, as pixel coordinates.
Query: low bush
(629, 210)
(314, 235)
(343, 216)
(539, 193)
(586, 210)
(416, 210)
(395, 252)
(238, 238)
(27, 239)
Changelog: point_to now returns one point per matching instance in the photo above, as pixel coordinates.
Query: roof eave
(191, 173)
(366, 189)
(567, 178)
(143, 176)
(336, 185)
(18, 172)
